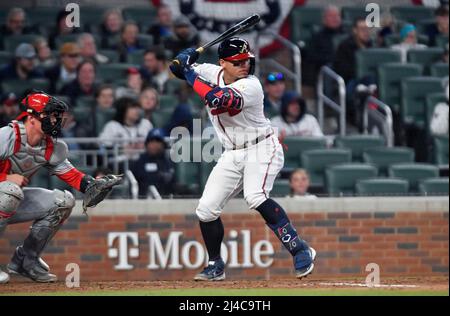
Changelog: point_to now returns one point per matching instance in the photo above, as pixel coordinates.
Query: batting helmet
(236, 48)
(49, 110)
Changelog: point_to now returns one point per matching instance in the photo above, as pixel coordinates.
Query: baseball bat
(232, 31)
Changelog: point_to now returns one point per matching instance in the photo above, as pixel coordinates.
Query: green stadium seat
(315, 162)
(187, 175)
(425, 57)
(113, 55)
(86, 102)
(440, 145)
(383, 157)
(439, 70)
(350, 14)
(91, 15)
(168, 102)
(413, 172)
(367, 60)
(412, 14)
(303, 21)
(296, 145)
(393, 39)
(432, 100)
(161, 117)
(281, 188)
(381, 187)
(145, 40)
(112, 72)
(442, 41)
(11, 42)
(337, 40)
(173, 86)
(341, 179)
(82, 113)
(414, 92)
(103, 116)
(358, 144)
(18, 87)
(5, 57)
(143, 15)
(42, 16)
(136, 57)
(390, 76)
(434, 186)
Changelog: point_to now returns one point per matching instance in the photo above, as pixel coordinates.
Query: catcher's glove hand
(98, 189)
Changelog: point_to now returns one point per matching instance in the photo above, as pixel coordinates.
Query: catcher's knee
(64, 203)
(11, 195)
(255, 199)
(206, 214)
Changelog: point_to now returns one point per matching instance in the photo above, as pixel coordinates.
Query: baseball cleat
(17, 259)
(215, 271)
(4, 277)
(301, 269)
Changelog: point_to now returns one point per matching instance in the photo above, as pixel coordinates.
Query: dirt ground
(20, 285)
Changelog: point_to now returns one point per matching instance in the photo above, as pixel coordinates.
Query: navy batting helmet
(236, 48)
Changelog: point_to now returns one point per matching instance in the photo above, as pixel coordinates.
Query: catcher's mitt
(98, 189)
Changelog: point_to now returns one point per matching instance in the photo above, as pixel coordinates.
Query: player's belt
(252, 142)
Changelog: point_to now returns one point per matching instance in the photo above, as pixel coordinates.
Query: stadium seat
(439, 70)
(91, 15)
(442, 41)
(341, 179)
(390, 76)
(315, 161)
(440, 145)
(103, 116)
(161, 117)
(412, 14)
(393, 39)
(382, 186)
(143, 15)
(18, 87)
(367, 60)
(434, 186)
(111, 72)
(296, 145)
(145, 40)
(425, 57)
(136, 57)
(303, 21)
(168, 102)
(432, 100)
(187, 175)
(173, 86)
(42, 16)
(413, 172)
(11, 42)
(113, 55)
(5, 57)
(350, 14)
(358, 144)
(281, 188)
(383, 157)
(414, 92)
(87, 102)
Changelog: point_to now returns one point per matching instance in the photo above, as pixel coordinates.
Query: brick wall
(401, 242)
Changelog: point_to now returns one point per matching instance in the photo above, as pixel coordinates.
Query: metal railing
(381, 113)
(323, 99)
(296, 74)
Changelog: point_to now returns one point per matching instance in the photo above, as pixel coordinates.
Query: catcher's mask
(237, 49)
(47, 109)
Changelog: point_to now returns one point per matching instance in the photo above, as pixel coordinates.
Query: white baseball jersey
(247, 125)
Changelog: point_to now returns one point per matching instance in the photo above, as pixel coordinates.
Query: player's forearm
(76, 179)
(201, 86)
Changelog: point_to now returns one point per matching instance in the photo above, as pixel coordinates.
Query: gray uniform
(47, 208)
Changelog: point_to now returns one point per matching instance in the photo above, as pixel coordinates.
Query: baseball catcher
(27, 144)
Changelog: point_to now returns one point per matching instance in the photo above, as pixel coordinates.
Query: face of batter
(234, 70)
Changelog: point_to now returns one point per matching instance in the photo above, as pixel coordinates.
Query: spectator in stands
(134, 85)
(155, 70)
(88, 49)
(22, 66)
(44, 58)
(162, 29)
(184, 36)
(83, 85)
(154, 167)
(15, 23)
(110, 28)
(128, 40)
(440, 27)
(128, 125)
(9, 108)
(345, 60)
(387, 28)
(294, 121)
(66, 70)
(321, 49)
(439, 121)
(62, 28)
(274, 88)
(408, 40)
(181, 117)
(299, 184)
(149, 100)
(104, 96)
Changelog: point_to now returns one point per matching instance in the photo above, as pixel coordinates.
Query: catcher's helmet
(236, 48)
(49, 110)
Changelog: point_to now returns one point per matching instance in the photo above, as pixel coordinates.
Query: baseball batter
(253, 155)
(26, 145)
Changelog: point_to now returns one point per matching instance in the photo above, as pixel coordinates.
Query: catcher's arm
(96, 190)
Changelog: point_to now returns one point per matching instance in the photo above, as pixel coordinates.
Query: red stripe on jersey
(72, 177)
(5, 168)
(49, 148)
(18, 140)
